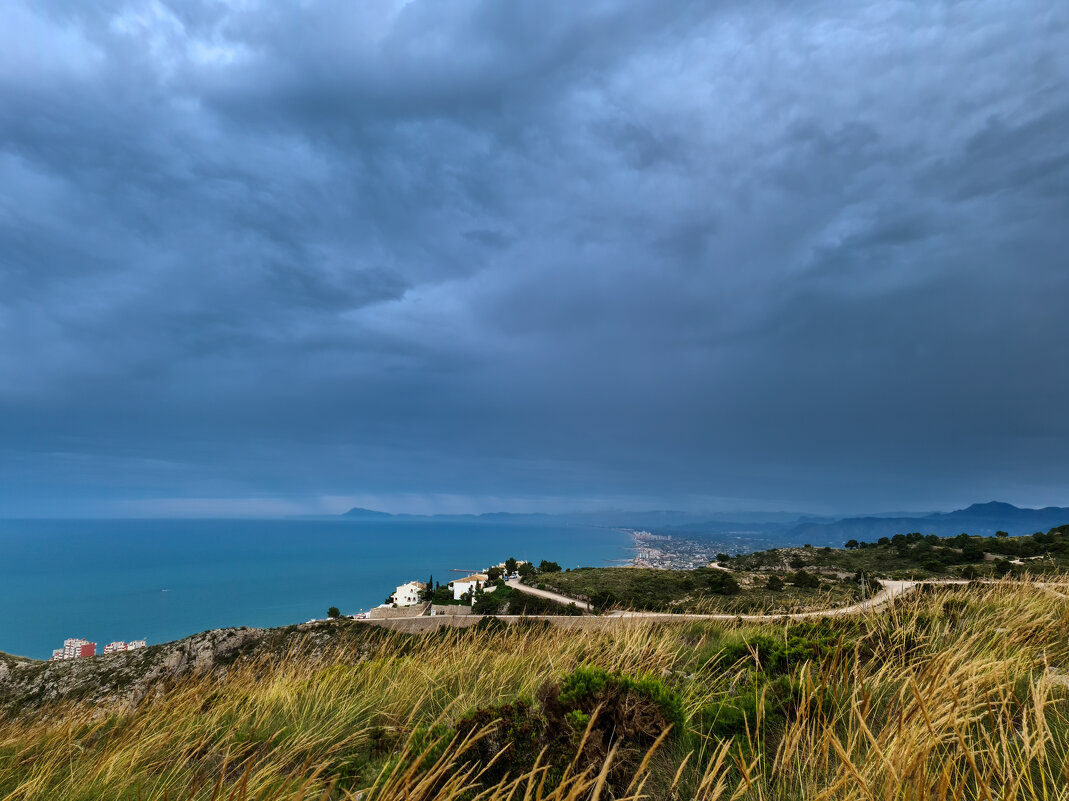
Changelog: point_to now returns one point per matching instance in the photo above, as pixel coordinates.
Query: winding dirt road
(561, 599)
(892, 589)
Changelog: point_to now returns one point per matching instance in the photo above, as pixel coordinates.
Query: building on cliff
(75, 648)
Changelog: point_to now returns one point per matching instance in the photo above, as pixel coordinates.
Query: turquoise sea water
(164, 579)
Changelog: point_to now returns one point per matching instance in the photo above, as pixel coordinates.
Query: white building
(469, 584)
(119, 645)
(409, 594)
(75, 648)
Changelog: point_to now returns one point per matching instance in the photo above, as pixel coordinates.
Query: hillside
(782, 580)
(954, 693)
(702, 590)
(913, 555)
(126, 678)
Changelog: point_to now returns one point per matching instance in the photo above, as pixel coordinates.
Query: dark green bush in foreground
(621, 711)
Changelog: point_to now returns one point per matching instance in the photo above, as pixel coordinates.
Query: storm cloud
(262, 257)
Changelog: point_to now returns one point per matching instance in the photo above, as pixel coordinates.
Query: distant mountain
(980, 518)
(609, 519)
(1006, 511)
(357, 513)
(367, 514)
(766, 530)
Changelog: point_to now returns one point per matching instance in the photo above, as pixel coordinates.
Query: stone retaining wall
(389, 612)
(450, 609)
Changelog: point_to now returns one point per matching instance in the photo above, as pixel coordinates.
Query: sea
(160, 580)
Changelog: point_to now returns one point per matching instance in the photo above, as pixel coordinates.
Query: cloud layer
(477, 254)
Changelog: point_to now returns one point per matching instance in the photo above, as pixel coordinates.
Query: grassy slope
(695, 590)
(952, 694)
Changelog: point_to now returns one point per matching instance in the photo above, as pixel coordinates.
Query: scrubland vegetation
(950, 693)
(504, 600)
(784, 580)
(705, 590)
(926, 556)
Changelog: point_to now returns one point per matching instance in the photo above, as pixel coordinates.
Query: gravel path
(561, 599)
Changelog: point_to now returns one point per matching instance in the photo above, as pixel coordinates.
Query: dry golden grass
(958, 694)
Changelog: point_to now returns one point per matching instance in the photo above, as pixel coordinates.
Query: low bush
(806, 581)
(598, 708)
(807, 641)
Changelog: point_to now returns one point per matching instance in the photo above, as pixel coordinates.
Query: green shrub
(721, 582)
(604, 601)
(486, 603)
(804, 580)
(517, 729)
(492, 624)
(729, 717)
(442, 596)
(738, 715)
(807, 641)
(587, 687)
(622, 711)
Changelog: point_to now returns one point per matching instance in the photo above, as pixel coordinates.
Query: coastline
(104, 580)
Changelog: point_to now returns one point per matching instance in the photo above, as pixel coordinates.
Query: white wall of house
(471, 583)
(461, 587)
(409, 594)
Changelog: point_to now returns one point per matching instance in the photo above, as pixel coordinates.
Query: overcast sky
(262, 257)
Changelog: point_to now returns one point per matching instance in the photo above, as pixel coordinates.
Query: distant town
(78, 648)
(670, 551)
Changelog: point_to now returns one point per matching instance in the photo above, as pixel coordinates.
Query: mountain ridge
(981, 518)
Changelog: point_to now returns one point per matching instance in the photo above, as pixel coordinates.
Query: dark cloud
(478, 254)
